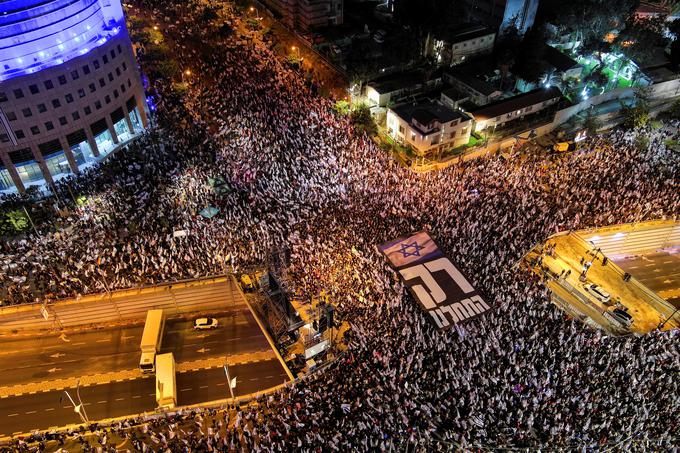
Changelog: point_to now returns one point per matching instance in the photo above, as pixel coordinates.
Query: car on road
(205, 324)
(598, 293)
(619, 316)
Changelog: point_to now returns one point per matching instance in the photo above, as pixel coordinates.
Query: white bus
(151, 339)
(166, 386)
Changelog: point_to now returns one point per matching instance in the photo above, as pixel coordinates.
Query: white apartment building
(429, 127)
(460, 44)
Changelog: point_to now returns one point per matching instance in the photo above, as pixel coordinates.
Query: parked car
(598, 293)
(205, 324)
(562, 147)
(619, 316)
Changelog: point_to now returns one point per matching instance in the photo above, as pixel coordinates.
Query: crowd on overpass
(284, 170)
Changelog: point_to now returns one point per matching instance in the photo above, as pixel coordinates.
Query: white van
(598, 293)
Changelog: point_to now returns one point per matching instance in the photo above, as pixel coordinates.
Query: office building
(500, 14)
(70, 89)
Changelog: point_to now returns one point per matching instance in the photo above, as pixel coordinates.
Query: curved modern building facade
(70, 89)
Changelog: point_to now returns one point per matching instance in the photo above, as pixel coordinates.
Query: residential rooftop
(427, 112)
(464, 32)
(472, 75)
(397, 81)
(515, 103)
(559, 60)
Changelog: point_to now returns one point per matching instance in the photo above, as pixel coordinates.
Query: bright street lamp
(297, 50)
(255, 10)
(185, 73)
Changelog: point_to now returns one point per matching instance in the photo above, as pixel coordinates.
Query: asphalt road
(27, 359)
(48, 409)
(659, 271)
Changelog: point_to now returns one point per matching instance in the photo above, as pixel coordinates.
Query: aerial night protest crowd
(297, 176)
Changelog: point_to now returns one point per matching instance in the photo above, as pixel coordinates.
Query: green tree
(529, 64)
(674, 110)
(342, 107)
(591, 124)
(362, 119)
(636, 117)
(639, 36)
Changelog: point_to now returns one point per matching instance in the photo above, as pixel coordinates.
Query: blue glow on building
(38, 34)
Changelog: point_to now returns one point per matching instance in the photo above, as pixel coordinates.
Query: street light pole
(80, 402)
(662, 324)
(226, 373)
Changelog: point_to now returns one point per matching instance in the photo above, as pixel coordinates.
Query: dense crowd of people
(285, 171)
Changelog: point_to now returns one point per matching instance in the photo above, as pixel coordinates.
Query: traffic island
(588, 284)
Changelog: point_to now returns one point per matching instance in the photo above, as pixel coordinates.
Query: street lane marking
(101, 402)
(49, 409)
(79, 344)
(268, 377)
(12, 415)
(31, 412)
(120, 399)
(103, 340)
(253, 379)
(136, 396)
(185, 390)
(221, 384)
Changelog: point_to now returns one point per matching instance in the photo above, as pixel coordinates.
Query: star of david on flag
(409, 250)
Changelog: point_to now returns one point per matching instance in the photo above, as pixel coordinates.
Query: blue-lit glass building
(70, 89)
